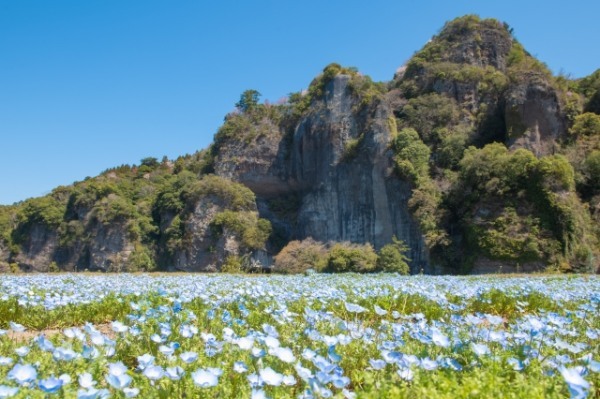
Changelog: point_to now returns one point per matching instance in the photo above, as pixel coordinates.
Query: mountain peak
(470, 40)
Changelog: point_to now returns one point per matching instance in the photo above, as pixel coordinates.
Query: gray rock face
(343, 196)
(110, 248)
(487, 46)
(534, 119)
(38, 250)
(350, 198)
(197, 255)
(202, 250)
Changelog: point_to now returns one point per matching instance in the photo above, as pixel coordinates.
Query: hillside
(474, 155)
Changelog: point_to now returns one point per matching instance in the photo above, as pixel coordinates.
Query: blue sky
(86, 85)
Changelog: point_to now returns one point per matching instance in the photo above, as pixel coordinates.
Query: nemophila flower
(480, 349)
(271, 377)
(255, 381)
(308, 354)
(90, 352)
(154, 373)
(131, 392)
(284, 354)
(289, 380)
(145, 360)
(204, 378)
(8, 392)
(64, 354)
(44, 344)
(119, 380)
(16, 327)
(50, 385)
(119, 327)
(578, 387)
(22, 374)
(5, 361)
(240, 367)
(354, 308)
(74, 333)
(93, 393)
(174, 373)
(377, 364)
(188, 357)
(245, 343)
(86, 380)
(429, 364)
(379, 311)
(258, 352)
(166, 350)
(270, 330)
(157, 338)
(117, 368)
(258, 394)
(439, 339)
(406, 374)
(22, 351)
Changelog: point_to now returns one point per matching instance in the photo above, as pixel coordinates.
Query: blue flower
(154, 373)
(50, 385)
(578, 387)
(22, 374)
(174, 373)
(205, 378)
(7, 392)
(189, 357)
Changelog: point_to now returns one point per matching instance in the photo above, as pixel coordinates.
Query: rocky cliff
(472, 155)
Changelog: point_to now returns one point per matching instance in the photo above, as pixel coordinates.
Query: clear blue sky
(90, 84)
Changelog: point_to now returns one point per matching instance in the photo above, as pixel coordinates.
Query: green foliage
(589, 87)
(351, 148)
(429, 114)
(587, 124)
(411, 155)
(232, 264)
(150, 162)
(347, 257)
(392, 258)
(300, 256)
(141, 259)
(553, 213)
(46, 210)
(246, 225)
(592, 169)
(513, 237)
(234, 195)
(248, 101)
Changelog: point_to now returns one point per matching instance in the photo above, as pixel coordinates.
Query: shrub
(587, 124)
(347, 257)
(246, 225)
(392, 258)
(232, 264)
(411, 155)
(300, 256)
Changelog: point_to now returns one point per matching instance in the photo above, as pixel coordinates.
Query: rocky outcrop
(200, 252)
(37, 252)
(109, 248)
(533, 115)
(469, 40)
(338, 165)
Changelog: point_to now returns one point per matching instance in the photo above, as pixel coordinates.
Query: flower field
(316, 336)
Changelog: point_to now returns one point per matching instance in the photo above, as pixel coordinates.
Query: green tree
(587, 124)
(392, 258)
(248, 100)
(347, 257)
